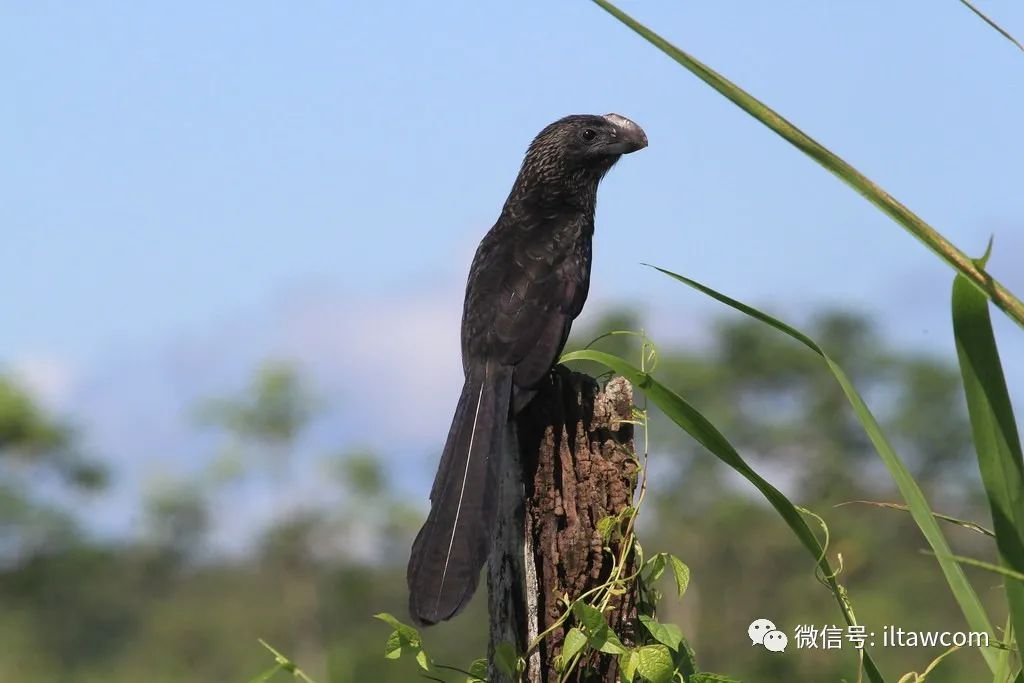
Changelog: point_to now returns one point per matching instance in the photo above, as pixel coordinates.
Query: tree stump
(569, 464)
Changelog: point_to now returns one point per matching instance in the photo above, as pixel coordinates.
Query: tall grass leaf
(1003, 671)
(994, 568)
(266, 675)
(948, 252)
(698, 426)
(921, 512)
(995, 432)
(965, 523)
(981, 15)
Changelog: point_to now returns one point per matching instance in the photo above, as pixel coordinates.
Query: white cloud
(394, 360)
(49, 379)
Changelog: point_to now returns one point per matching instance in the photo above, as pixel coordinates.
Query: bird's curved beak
(629, 137)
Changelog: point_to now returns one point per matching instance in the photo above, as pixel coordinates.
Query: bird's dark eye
(589, 134)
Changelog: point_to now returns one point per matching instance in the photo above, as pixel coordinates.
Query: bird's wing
(542, 292)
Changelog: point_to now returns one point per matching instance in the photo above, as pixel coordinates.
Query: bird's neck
(555, 194)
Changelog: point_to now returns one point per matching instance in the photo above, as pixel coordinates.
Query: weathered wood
(569, 465)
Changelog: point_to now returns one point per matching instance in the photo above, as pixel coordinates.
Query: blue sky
(190, 187)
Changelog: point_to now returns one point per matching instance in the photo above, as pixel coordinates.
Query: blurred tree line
(171, 606)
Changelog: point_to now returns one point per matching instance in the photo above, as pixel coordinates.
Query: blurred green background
(168, 606)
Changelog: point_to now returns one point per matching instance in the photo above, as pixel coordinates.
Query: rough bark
(569, 464)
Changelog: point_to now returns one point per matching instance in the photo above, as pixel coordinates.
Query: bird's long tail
(454, 542)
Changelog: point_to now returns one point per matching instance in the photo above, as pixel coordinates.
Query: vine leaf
(681, 572)
(667, 634)
(655, 663)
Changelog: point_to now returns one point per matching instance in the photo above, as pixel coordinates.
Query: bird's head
(584, 144)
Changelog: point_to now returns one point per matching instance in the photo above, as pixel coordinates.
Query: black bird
(528, 282)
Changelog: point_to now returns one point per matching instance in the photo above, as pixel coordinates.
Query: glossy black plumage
(528, 282)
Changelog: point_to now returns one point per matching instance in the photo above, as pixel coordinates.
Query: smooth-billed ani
(528, 282)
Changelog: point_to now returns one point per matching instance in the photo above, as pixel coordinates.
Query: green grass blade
(266, 675)
(981, 15)
(994, 568)
(921, 512)
(1003, 671)
(965, 523)
(995, 432)
(999, 295)
(697, 426)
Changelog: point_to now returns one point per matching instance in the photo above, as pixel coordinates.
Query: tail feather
(453, 544)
